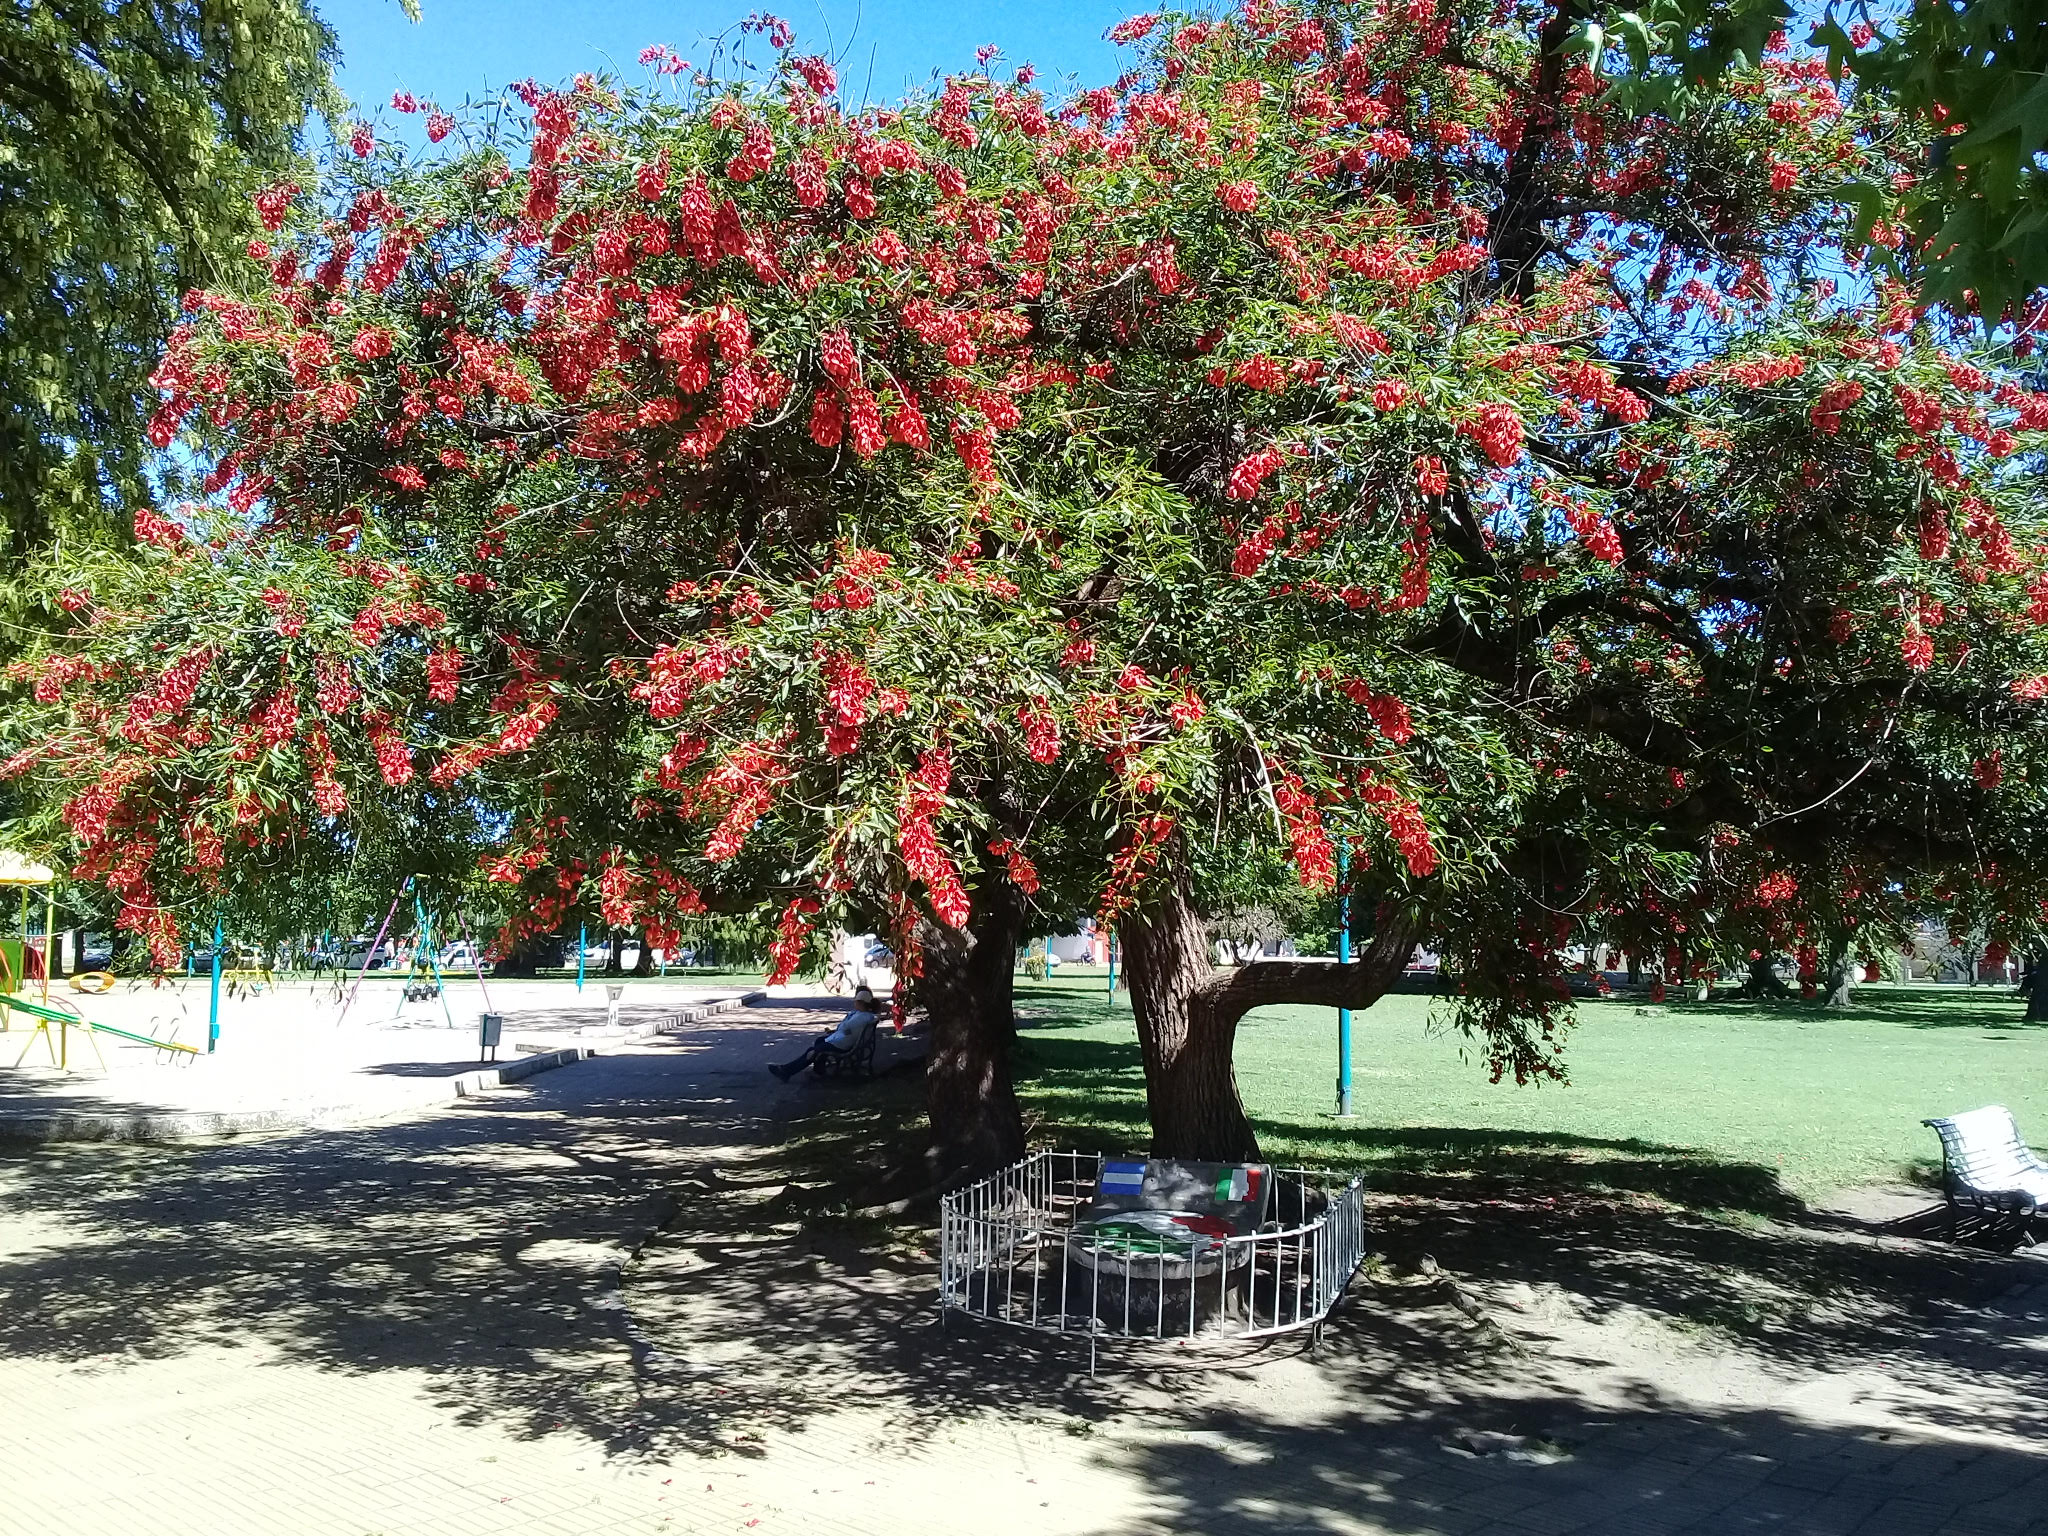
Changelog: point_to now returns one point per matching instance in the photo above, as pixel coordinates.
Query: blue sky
(463, 47)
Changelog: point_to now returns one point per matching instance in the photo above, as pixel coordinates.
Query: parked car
(878, 958)
(353, 956)
(461, 956)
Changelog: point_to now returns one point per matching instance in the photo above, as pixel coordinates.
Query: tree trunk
(1841, 988)
(525, 959)
(1190, 1085)
(2037, 988)
(967, 989)
(1187, 1014)
(643, 964)
(1763, 979)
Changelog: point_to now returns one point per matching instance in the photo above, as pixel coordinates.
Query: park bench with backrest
(1987, 1167)
(855, 1059)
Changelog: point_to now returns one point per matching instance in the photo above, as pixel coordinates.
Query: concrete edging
(682, 1016)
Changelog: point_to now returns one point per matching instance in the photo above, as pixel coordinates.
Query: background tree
(132, 138)
(1971, 79)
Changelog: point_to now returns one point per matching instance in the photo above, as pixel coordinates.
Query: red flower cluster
(1390, 716)
(151, 527)
(1253, 472)
(1041, 731)
(394, 758)
(1130, 865)
(1776, 889)
(792, 937)
(746, 779)
(1834, 400)
(173, 691)
(1498, 430)
(1315, 859)
(1404, 823)
(1598, 534)
(1023, 874)
(923, 799)
(848, 688)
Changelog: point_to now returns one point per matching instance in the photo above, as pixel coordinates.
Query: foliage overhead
(1356, 424)
(132, 137)
(1972, 78)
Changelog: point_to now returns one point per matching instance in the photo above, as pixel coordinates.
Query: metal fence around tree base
(1013, 1248)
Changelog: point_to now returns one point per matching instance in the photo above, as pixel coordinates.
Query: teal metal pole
(213, 1004)
(1343, 958)
(582, 942)
(427, 937)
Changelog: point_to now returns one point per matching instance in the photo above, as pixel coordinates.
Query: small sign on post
(490, 1030)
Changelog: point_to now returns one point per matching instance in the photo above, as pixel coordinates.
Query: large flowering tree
(1350, 426)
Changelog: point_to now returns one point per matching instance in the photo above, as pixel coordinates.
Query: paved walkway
(300, 1053)
(615, 1298)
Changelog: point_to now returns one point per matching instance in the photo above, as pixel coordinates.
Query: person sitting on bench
(842, 1041)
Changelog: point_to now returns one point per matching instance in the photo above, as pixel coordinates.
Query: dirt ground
(648, 1293)
(1503, 1325)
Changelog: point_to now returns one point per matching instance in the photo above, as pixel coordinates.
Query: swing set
(423, 980)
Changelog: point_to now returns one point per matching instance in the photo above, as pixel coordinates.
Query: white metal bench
(1987, 1167)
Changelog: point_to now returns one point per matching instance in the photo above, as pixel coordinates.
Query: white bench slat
(1983, 1152)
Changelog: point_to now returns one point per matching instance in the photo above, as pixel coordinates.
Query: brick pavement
(437, 1325)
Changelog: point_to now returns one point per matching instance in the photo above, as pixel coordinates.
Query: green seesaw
(18, 870)
(67, 1019)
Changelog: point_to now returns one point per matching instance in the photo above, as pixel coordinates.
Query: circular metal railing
(1029, 1247)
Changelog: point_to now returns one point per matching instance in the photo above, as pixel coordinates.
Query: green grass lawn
(1715, 1105)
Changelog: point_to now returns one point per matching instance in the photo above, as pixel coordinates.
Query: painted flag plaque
(1164, 1209)
(1122, 1178)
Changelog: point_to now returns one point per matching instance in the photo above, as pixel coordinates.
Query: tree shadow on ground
(1507, 1163)
(1642, 1468)
(1983, 1008)
(641, 1251)
(1702, 1242)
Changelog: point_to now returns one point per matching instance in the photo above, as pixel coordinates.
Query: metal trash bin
(490, 1030)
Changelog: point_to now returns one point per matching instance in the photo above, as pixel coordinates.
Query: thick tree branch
(1229, 995)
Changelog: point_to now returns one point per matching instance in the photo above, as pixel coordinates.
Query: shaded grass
(1727, 1105)
(1675, 1176)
